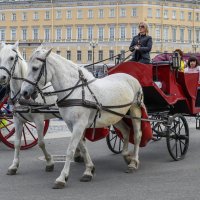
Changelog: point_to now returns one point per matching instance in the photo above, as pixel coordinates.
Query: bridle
(12, 70)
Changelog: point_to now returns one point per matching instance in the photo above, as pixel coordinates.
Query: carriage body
(163, 87)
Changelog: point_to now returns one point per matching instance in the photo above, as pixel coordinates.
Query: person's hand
(136, 47)
(131, 48)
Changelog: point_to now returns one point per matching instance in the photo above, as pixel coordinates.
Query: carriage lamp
(176, 60)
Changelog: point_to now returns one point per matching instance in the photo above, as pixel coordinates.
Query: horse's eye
(35, 69)
(11, 58)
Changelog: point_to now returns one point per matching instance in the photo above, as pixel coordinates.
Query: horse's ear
(39, 48)
(15, 46)
(2, 44)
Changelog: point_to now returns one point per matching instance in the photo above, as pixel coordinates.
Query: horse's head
(8, 60)
(37, 73)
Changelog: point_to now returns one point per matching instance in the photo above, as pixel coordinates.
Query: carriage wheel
(7, 130)
(114, 142)
(178, 137)
(158, 128)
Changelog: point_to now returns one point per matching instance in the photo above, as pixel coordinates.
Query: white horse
(12, 65)
(113, 90)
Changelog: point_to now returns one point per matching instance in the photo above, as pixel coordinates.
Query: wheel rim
(114, 142)
(178, 137)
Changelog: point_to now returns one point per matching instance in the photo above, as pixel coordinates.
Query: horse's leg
(78, 156)
(89, 171)
(75, 139)
(135, 111)
(49, 159)
(125, 131)
(18, 133)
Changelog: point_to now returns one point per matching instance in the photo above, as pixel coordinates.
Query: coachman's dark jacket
(145, 43)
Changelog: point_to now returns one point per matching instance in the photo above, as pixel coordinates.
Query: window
(79, 55)
(58, 14)
(101, 33)
(182, 35)
(134, 12)
(112, 12)
(157, 34)
(101, 13)
(13, 17)
(182, 15)
(35, 16)
(197, 16)
(173, 14)
(89, 55)
(112, 33)
(13, 34)
(69, 33)
(122, 12)
(189, 35)
(111, 54)
(47, 34)
(197, 36)
(165, 34)
(35, 34)
(173, 34)
(79, 33)
(90, 14)
(69, 55)
(165, 14)
(58, 34)
(190, 16)
(149, 12)
(122, 33)
(24, 54)
(2, 34)
(47, 15)
(157, 13)
(90, 32)
(134, 30)
(2, 17)
(24, 34)
(69, 14)
(100, 55)
(24, 16)
(79, 14)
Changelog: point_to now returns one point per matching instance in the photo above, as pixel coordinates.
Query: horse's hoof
(86, 178)
(58, 185)
(49, 168)
(11, 171)
(78, 159)
(130, 170)
(127, 159)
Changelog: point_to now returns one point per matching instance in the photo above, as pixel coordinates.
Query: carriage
(168, 96)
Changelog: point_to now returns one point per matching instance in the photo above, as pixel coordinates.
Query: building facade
(87, 31)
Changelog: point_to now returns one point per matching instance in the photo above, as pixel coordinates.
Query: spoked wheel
(158, 128)
(178, 137)
(114, 142)
(7, 130)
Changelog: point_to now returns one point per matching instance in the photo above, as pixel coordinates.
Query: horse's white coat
(116, 89)
(7, 56)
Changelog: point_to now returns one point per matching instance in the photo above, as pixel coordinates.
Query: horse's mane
(23, 64)
(87, 74)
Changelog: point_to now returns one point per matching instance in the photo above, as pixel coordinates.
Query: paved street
(158, 177)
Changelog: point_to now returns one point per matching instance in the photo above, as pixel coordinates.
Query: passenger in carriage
(193, 65)
(141, 45)
(183, 64)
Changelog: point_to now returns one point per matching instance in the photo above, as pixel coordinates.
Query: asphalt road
(159, 177)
